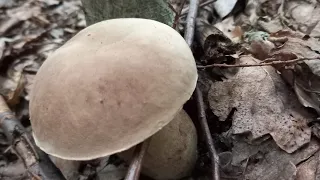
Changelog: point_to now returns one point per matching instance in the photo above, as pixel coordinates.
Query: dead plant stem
(205, 127)
(177, 17)
(136, 162)
(260, 64)
(185, 11)
(191, 22)
(189, 35)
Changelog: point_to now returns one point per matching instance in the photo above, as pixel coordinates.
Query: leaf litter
(277, 105)
(264, 105)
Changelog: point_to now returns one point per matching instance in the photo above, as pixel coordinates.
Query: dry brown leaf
(307, 170)
(297, 43)
(305, 78)
(6, 25)
(12, 87)
(21, 41)
(304, 15)
(267, 162)
(6, 3)
(261, 49)
(228, 27)
(271, 25)
(13, 169)
(274, 15)
(22, 13)
(264, 106)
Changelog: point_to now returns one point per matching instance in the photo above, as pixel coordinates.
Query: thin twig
(189, 35)
(185, 11)
(260, 64)
(135, 166)
(204, 125)
(177, 17)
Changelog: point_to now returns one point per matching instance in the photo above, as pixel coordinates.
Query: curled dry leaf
(11, 88)
(305, 76)
(264, 106)
(228, 27)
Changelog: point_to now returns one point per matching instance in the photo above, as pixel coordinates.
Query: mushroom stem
(135, 166)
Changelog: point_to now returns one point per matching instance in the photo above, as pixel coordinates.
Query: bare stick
(135, 166)
(23, 147)
(177, 17)
(189, 34)
(191, 21)
(260, 64)
(204, 125)
(185, 11)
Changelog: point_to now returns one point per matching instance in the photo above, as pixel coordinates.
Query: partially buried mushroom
(113, 85)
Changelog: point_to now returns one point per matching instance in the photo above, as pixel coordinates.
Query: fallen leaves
(29, 31)
(304, 76)
(264, 105)
(307, 170)
(266, 162)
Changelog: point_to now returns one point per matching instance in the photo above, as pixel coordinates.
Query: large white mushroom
(110, 87)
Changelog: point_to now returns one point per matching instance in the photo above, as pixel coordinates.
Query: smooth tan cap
(110, 87)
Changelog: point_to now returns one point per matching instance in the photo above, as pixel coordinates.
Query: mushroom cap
(110, 87)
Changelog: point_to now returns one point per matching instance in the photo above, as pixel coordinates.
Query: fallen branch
(135, 166)
(33, 159)
(191, 22)
(185, 11)
(260, 64)
(204, 125)
(189, 35)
